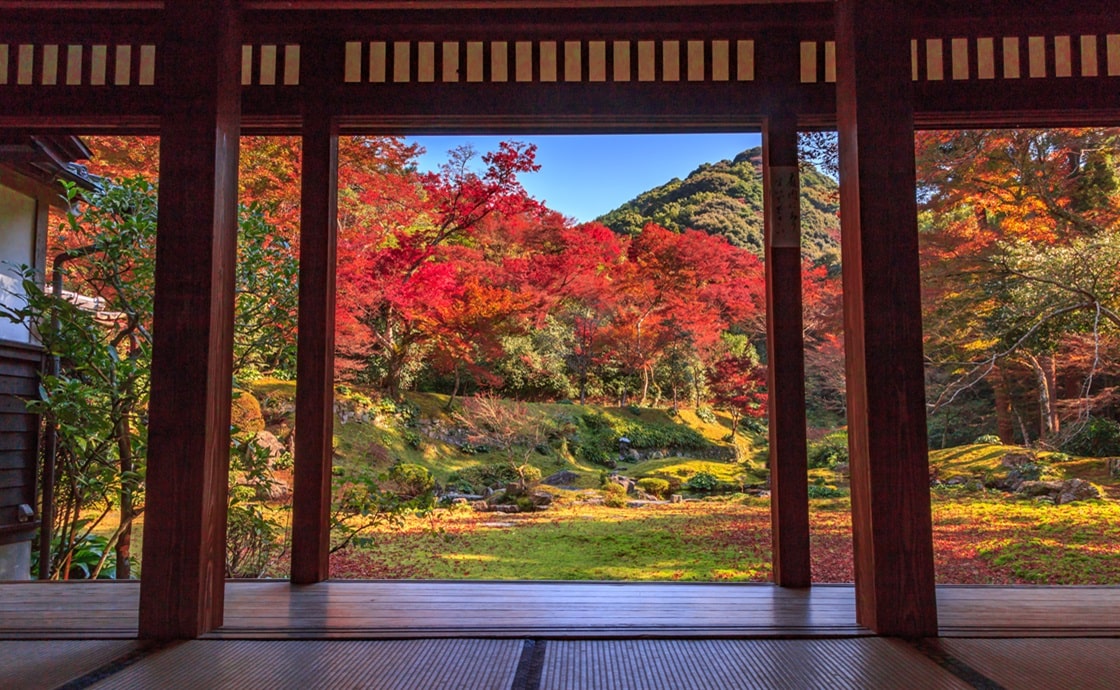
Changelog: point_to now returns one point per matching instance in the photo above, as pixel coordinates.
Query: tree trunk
(1049, 369)
(1047, 417)
(1005, 425)
(124, 541)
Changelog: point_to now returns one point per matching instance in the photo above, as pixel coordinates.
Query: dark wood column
(315, 372)
(882, 320)
(785, 350)
(182, 588)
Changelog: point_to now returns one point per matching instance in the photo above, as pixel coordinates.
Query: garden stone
(1076, 490)
(676, 498)
(1039, 488)
(1114, 468)
(1014, 460)
(268, 441)
(561, 478)
(541, 499)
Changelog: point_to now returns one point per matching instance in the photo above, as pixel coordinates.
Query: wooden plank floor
(424, 609)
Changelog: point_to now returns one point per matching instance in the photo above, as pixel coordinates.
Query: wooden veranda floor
(531, 635)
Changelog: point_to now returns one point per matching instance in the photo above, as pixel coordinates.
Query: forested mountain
(725, 199)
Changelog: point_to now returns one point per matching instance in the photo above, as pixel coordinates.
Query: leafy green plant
(830, 450)
(257, 526)
(1097, 438)
(821, 491)
(990, 439)
(702, 482)
(654, 485)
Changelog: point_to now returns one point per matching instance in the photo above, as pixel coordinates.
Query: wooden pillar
(785, 351)
(182, 588)
(315, 370)
(882, 320)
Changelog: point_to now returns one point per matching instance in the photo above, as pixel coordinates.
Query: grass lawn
(977, 540)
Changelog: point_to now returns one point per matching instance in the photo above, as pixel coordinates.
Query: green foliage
(822, 491)
(256, 528)
(614, 495)
(706, 414)
(990, 439)
(478, 477)
(410, 481)
(266, 299)
(725, 198)
(830, 450)
(654, 485)
(702, 482)
(1099, 437)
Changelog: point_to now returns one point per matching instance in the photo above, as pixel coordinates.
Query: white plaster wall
(17, 247)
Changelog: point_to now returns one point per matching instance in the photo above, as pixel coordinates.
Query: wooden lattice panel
(400, 62)
(76, 64)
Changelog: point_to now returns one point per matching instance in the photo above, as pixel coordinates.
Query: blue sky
(584, 176)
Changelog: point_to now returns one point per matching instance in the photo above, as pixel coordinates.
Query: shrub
(817, 491)
(989, 439)
(705, 414)
(1097, 438)
(653, 485)
(410, 481)
(245, 414)
(830, 450)
(703, 482)
(615, 495)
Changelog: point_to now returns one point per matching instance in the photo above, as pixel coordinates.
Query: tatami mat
(864, 663)
(303, 665)
(34, 664)
(1026, 664)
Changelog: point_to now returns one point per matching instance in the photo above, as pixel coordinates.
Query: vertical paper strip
(402, 61)
(985, 58)
(476, 57)
(1063, 57)
(49, 76)
(1036, 56)
(647, 55)
(291, 64)
(523, 61)
(450, 51)
(98, 65)
(721, 61)
(123, 67)
(1112, 45)
(1011, 68)
(808, 62)
(426, 61)
(352, 68)
(3, 63)
(1089, 65)
(671, 61)
(597, 61)
(745, 54)
(622, 60)
(935, 59)
(914, 59)
(378, 62)
(148, 65)
(960, 58)
(830, 62)
(25, 67)
(548, 60)
(573, 61)
(73, 66)
(499, 61)
(268, 65)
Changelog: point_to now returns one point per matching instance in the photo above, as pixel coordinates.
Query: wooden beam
(883, 322)
(315, 368)
(785, 350)
(182, 589)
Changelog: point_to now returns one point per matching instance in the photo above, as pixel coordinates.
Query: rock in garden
(561, 478)
(1076, 490)
(1114, 468)
(1039, 488)
(268, 441)
(541, 499)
